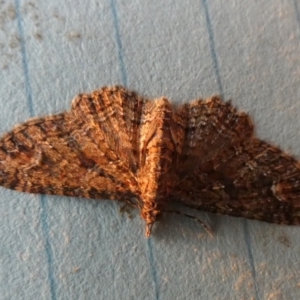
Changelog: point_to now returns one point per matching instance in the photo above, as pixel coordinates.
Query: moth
(116, 145)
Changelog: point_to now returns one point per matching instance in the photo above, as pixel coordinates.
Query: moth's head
(160, 109)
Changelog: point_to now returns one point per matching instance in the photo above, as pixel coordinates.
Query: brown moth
(115, 145)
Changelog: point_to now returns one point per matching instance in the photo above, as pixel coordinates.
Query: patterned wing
(211, 127)
(225, 170)
(88, 152)
(113, 115)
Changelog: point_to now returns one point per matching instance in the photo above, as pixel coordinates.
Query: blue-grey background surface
(68, 248)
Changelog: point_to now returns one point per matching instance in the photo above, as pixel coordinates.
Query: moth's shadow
(174, 224)
(171, 225)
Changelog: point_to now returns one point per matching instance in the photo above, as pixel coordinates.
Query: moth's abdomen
(157, 150)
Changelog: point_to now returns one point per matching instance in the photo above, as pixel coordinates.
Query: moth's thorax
(157, 150)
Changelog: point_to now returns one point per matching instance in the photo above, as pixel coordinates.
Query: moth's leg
(128, 205)
(206, 227)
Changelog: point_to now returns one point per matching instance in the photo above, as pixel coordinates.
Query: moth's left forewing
(69, 154)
